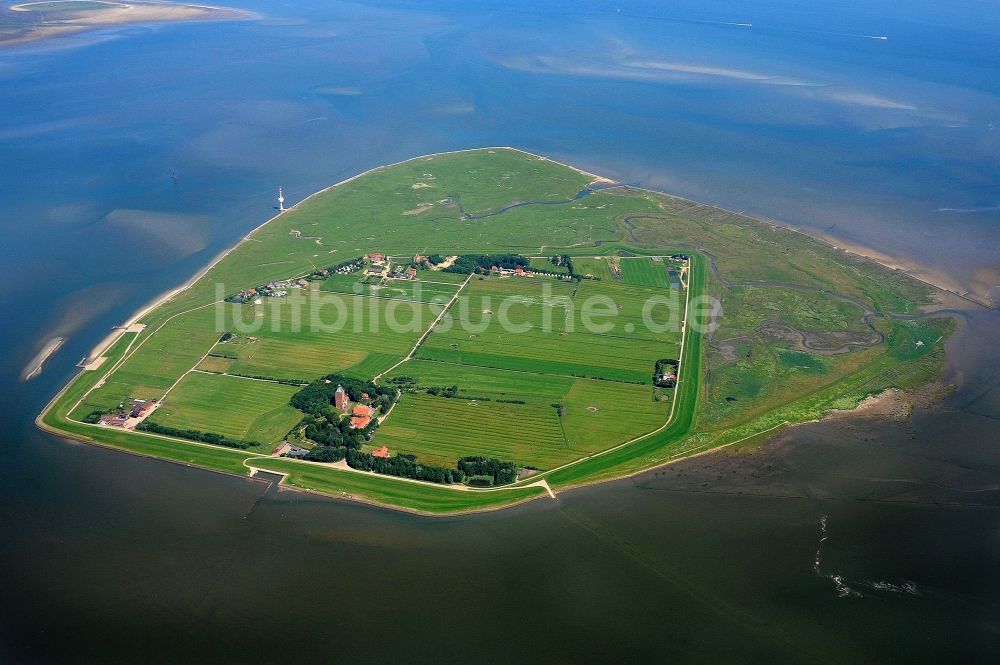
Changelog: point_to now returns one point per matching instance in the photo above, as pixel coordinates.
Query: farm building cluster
(361, 413)
(665, 373)
(382, 267)
(127, 417)
(274, 289)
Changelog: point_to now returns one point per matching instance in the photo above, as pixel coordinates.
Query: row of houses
(509, 272)
(278, 289)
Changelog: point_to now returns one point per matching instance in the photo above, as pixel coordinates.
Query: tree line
(195, 435)
(471, 263)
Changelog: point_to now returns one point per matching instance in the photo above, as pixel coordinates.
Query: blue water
(130, 156)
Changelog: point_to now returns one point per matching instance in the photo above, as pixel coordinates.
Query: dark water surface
(130, 157)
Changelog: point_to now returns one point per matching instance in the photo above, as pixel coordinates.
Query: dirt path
(427, 332)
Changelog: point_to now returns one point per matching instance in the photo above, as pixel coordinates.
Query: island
(471, 330)
(33, 21)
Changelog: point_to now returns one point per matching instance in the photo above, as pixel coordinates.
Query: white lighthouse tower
(281, 200)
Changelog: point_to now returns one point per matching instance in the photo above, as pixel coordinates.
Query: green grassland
(593, 415)
(425, 289)
(307, 335)
(645, 272)
(235, 407)
(777, 288)
(598, 267)
(555, 339)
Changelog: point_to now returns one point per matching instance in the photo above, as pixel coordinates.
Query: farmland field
(437, 431)
(237, 408)
(541, 324)
(593, 415)
(424, 289)
(598, 267)
(643, 271)
(330, 334)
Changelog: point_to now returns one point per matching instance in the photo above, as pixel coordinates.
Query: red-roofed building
(382, 452)
(411, 271)
(519, 271)
(362, 410)
(360, 422)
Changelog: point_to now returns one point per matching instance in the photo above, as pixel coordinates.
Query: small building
(362, 410)
(340, 398)
(303, 283)
(411, 272)
(296, 451)
(377, 257)
(360, 422)
(382, 452)
(141, 408)
(519, 271)
(113, 419)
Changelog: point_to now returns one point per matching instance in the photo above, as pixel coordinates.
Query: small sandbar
(34, 367)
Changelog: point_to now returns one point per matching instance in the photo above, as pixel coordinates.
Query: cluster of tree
(439, 391)
(331, 428)
(194, 435)
(452, 391)
(435, 259)
(403, 467)
(326, 454)
(510, 401)
(94, 417)
(471, 263)
(665, 364)
(563, 261)
(500, 472)
(316, 397)
(665, 373)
